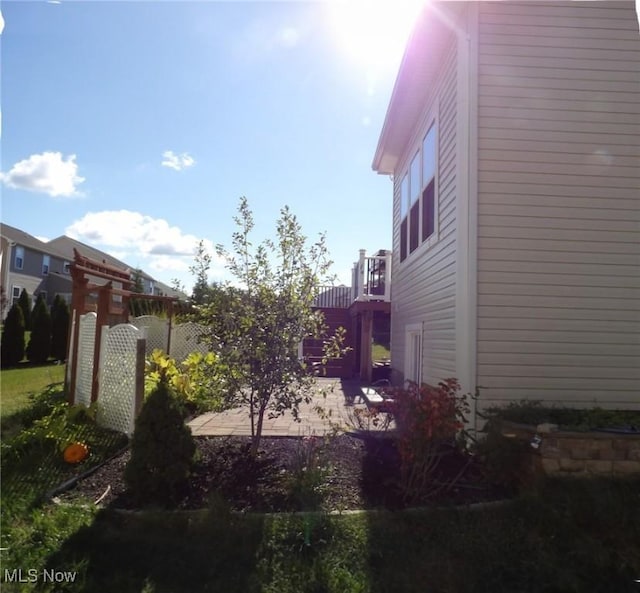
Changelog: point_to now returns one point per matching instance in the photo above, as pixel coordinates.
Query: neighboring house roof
(414, 81)
(67, 245)
(19, 237)
(62, 247)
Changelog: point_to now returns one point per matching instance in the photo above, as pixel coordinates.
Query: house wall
(31, 278)
(423, 286)
(559, 203)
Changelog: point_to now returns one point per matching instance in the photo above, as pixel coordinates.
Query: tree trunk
(255, 437)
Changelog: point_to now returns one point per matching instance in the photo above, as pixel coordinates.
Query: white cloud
(1, 23)
(49, 173)
(41, 238)
(141, 240)
(177, 161)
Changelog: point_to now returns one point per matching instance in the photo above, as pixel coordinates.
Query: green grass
(18, 383)
(568, 536)
(533, 412)
(379, 352)
(572, 536)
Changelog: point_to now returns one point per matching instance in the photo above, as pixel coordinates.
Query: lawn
(564, 535)
(17, 384)
(570, 536)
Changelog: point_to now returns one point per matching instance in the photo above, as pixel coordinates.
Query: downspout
(466, 207)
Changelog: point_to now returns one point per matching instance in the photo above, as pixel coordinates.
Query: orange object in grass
(76, 452)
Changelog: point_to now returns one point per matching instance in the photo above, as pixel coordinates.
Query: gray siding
(559, 203)
(423, 286)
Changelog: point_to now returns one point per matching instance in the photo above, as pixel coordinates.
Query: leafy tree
(59, 328)
(255, 330)
(25, 304)
(200, 269)
(39, 346)
(162, 450)
(12, 346)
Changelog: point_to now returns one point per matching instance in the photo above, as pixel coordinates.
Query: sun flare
(373, 33)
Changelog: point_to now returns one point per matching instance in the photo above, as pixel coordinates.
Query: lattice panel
(157, 332)
(117, 392)
(84, 368)
(185, 340)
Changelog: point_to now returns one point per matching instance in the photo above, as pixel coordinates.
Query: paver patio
(341, 396)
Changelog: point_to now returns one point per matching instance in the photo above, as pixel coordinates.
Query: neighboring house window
(417, 197)
(66, 268)
(413, 358)
(15, 294)
(46, 262)
(19, 259)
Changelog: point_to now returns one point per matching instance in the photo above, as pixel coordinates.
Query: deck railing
(370, 281)
(371, 277)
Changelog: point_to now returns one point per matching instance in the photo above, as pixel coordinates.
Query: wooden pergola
(110, 304)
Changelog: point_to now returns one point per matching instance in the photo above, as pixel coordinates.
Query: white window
(15, 293)
(46, 262)
(418, 208)
(19, 258)
(66, 268)
(413, 353)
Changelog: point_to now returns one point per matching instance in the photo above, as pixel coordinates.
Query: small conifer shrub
(39, 346)
(162, 451)
(25, 304)
(12, 347)
(59, 328)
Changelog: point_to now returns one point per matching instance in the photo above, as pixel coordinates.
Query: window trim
(412, 331)
(406, 248)
(18, 254)
(15, 299)
(46, 264)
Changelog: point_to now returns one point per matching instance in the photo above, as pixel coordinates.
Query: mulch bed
(360, 472)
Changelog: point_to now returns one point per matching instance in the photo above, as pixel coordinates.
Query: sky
(135, 127)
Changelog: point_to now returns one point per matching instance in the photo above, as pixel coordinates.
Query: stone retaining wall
(563, 453)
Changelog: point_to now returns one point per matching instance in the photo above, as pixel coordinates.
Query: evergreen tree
(59, 328)
(39, 346)
(162, 450)
(25, 304)
(12, 346)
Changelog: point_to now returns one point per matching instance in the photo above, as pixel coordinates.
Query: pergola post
(366, 334)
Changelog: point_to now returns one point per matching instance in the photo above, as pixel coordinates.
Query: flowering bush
(428, 420)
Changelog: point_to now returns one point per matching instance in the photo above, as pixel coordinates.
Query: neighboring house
(30, 264)
(44, 267)
(513, 137)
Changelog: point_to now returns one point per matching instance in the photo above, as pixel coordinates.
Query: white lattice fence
(84, 366)
(157, 332)
(121, 363)
(185, 340)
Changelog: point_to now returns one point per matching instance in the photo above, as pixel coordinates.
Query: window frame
(413, 202)
(46, 264)
(14, 298)
(413, 356)
(18, 255)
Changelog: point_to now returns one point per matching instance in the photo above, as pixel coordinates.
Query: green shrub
(12, 346)
(25, 304)
(39, 346)
(196, 381)
(162, 451)
(59, 328)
